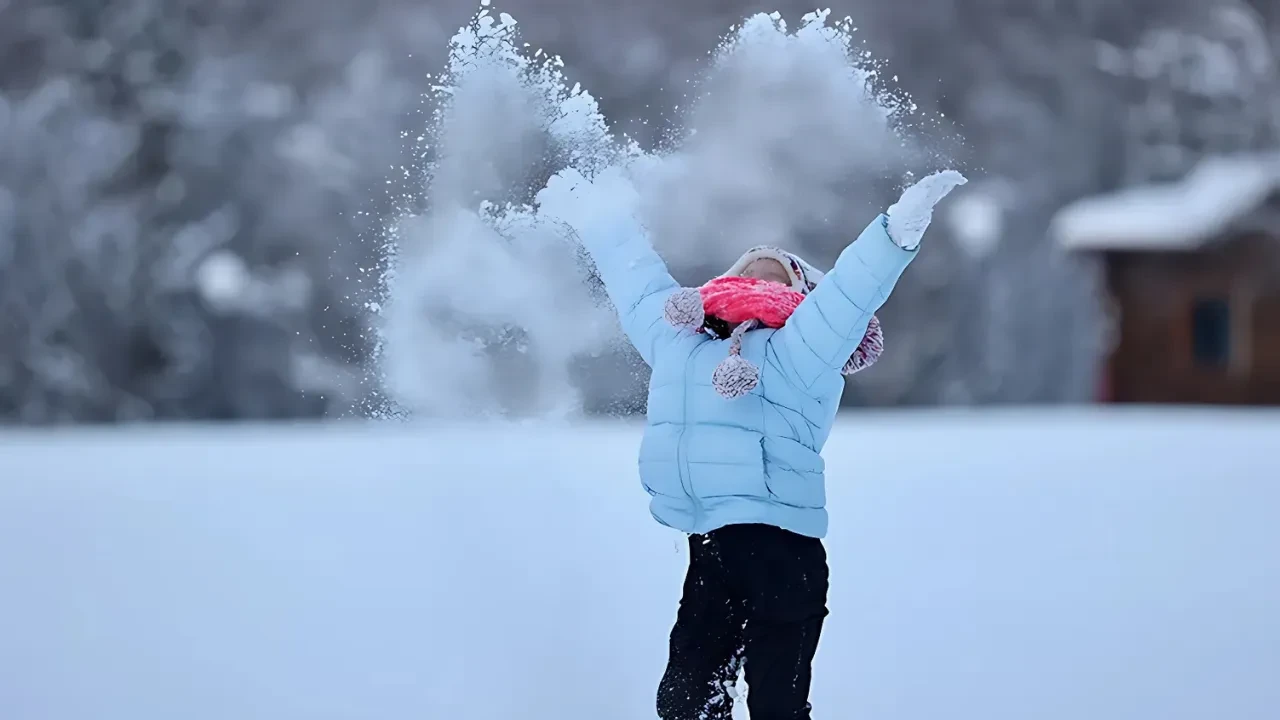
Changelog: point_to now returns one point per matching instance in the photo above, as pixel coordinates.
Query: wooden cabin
(1193, 278)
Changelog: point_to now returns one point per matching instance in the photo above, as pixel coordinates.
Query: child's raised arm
(829, 324)
(602, 212)
(636, 279)
(826, 328)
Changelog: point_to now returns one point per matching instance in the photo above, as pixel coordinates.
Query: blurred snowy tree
(1207, 87)
(182, 187)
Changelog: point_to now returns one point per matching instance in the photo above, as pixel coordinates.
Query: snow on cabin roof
(1181, 215)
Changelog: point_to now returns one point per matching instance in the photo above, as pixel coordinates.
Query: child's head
(766, 269)
(776, 265)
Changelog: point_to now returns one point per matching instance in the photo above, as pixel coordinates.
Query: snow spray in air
(490, 308)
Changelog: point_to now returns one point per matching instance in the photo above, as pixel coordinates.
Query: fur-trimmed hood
(804, 276)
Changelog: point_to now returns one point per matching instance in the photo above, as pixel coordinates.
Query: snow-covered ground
(1065, 566)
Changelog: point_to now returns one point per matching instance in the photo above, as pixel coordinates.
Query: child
(747, 377)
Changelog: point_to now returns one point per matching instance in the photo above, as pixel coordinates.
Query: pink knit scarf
(739, 299)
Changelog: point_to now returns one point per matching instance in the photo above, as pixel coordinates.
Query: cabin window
(1211, 332)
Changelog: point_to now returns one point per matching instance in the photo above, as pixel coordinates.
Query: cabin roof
(1176, 216)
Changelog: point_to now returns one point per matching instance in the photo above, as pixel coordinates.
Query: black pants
(755, 596)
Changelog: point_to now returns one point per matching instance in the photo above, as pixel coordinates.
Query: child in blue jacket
(731, 450)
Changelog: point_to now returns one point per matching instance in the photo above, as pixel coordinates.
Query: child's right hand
(606, 200)
(911, 215)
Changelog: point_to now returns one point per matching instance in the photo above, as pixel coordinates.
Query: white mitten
(911, 215)
(587, 205)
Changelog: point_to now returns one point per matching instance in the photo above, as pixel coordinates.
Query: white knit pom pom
(684, 309)
(735, 377)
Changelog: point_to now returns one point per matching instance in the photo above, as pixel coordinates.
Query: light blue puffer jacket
(707, 461)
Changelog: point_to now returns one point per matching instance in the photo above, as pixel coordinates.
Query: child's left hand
(911, 215)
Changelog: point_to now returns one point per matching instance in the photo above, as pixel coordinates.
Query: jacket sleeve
(636, 280)
(829, 324)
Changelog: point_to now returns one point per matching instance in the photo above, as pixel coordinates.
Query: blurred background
(226, 211)
(193, 195)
